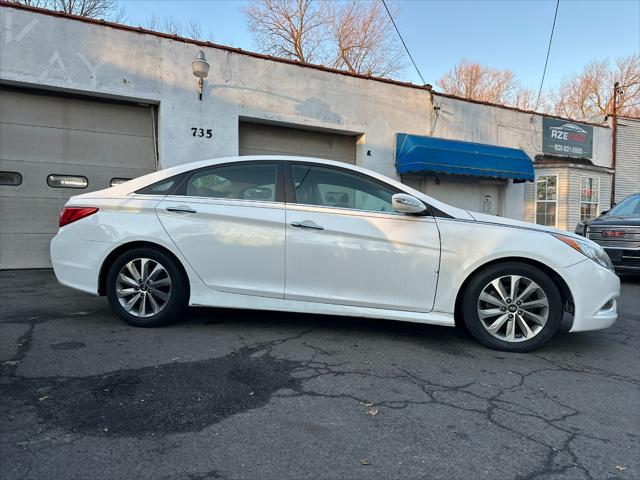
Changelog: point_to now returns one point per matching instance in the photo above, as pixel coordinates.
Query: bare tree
(87, 8)
(36, 3)
(193, 29)
(107, 9)
(294, 29)
(168, 24)
(356, 36)
(478, 82)
(590, 93)
(364, 40)
(525, 99)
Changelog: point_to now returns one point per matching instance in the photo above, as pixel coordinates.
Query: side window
(245, 181)
(163, 187)
(328, 187)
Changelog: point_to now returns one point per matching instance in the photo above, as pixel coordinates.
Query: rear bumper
(595, 293)
(76, 262)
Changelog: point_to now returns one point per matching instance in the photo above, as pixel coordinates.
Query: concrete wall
(59, 53)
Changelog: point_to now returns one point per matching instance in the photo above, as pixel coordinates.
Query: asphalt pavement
(242, 394)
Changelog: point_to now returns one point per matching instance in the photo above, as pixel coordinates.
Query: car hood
(622, 221)
(508, 222)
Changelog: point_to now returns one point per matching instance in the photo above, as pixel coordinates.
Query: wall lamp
(200, 69)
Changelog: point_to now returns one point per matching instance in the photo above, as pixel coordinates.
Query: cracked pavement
(246, 394)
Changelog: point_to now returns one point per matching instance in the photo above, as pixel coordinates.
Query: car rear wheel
(512, 307)
(147, 288)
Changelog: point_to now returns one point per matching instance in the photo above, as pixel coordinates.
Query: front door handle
(181, 210)
(307, 224)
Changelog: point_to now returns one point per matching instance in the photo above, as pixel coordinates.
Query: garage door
(85, 144)
(263, 139)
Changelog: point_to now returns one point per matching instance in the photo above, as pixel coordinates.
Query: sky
(499, 33)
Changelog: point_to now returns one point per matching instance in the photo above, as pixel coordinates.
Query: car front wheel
(146, 288)
(512, 307)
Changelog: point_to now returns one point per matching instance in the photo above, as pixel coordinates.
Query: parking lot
(244, 394)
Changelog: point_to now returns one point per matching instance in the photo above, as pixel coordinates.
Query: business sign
(560, 137)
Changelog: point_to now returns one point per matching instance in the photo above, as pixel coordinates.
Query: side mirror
(405, 203)
(605, 212)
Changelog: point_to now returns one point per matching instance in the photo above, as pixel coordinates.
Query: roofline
(521, 110)
(579, 166)
(262, 56)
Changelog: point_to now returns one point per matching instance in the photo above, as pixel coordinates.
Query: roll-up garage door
(81, 140)
(264, 139)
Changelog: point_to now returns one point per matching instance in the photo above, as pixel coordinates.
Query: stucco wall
(55, 52)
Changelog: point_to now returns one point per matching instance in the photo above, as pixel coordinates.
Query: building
(86, 103)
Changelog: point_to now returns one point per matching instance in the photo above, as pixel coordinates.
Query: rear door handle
(181, 210)
(307, 224)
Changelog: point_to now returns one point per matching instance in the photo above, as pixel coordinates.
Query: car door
(346, 245)
(228, 222)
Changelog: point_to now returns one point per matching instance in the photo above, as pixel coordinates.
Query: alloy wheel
(143, 287)
(513, 308)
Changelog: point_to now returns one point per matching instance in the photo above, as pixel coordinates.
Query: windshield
(629, 207)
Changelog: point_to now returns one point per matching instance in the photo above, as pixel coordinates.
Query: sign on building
(560, 137)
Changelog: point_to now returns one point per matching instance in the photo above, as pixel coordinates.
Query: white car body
(246, 254)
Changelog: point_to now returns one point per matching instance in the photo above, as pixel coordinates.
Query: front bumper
(595, 292)
(624, 260)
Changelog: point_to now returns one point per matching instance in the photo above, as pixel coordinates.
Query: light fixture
(200, 69)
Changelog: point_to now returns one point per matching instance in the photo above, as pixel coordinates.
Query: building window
(67, 181)
(589, 196)
(546, 200)
(118, 181)
(10, 178)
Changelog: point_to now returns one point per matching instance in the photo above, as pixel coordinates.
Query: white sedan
(317, 236)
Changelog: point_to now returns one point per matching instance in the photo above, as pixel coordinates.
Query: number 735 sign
(201, 132)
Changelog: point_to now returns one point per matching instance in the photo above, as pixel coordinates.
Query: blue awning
(418, 154)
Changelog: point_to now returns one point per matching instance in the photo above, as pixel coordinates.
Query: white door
(228, 221)
(346, 245)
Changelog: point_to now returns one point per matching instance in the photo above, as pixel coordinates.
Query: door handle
(307, 224)
(181, 210)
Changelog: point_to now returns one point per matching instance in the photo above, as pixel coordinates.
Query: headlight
(588, 249)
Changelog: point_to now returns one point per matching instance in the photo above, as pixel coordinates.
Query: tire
(539, 309)
(162, 295)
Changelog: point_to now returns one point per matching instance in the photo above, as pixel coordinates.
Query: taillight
(71, 214)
